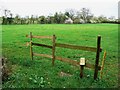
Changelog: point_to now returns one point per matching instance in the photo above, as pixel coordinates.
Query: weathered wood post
(53, 50)
(97, 57)
(31, 51)
(82, 64)
(102, 66)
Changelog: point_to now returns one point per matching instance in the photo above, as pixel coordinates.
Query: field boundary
(97, 50)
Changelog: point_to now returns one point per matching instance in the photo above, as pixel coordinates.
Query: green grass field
(40, 72)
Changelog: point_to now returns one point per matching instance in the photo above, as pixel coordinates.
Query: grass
(40, 73)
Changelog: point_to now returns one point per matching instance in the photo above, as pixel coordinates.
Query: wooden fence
(97, 50)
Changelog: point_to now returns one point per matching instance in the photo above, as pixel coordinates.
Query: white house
(69, 21)
(82, 21)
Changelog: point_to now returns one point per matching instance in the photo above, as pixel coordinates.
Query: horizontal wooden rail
(92, 66)
(42, 37)
(76, 63)
(42, 45)
(73, 62)
(43, 55)
(77, 47)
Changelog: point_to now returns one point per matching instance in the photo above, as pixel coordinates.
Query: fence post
(97, 57)
(53, 50)
(31, 52)
(81, 71)
(82, 64)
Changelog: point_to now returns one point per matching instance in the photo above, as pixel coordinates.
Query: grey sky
(46, 7)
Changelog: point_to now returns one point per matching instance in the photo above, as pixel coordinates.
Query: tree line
(69, 16)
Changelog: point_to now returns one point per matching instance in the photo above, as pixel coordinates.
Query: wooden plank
(102, 66)
(91, 66)
(73, 62)
(42, 45)
(76, 63)
(92, 49)
(97, 57)
(31, 51)
(42, 37)
(43, 55)
(53, 50)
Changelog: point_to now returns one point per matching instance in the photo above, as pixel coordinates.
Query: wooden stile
(53, 50)
(97, 57)
(82, 64)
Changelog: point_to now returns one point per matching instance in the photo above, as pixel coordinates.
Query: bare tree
(6, 13)
(11, 15)
(85, 14)
(70, 13)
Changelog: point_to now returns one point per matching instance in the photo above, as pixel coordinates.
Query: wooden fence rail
(42, 45)
(43, 55)
(92, 49)
(41, 37)
(97, 49)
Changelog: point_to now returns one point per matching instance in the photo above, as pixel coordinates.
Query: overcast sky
(47, 7)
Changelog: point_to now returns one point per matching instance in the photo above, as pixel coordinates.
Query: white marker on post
(82, 61)
(82, 64)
